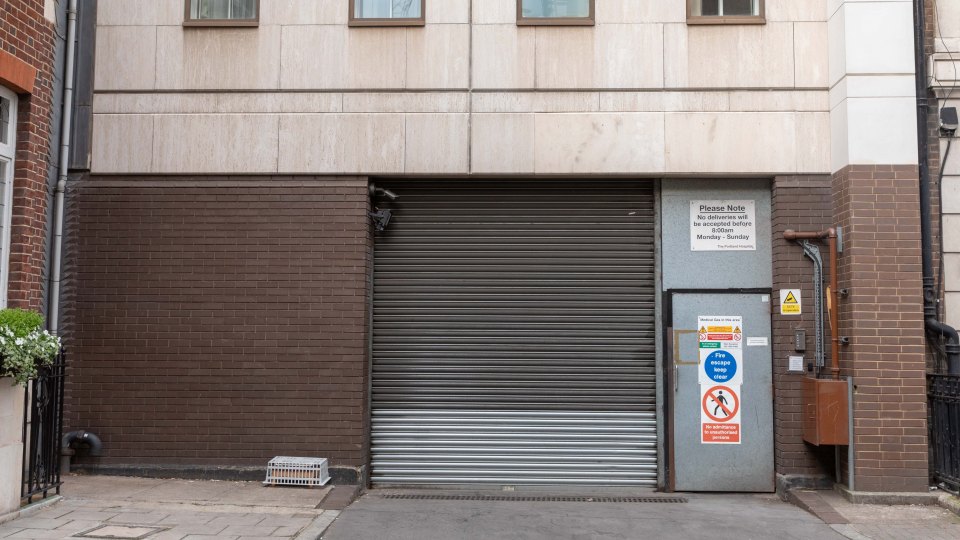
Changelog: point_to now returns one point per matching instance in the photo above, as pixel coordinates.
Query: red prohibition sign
(713, 394)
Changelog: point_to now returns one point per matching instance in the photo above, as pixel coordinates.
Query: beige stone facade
(639, 93)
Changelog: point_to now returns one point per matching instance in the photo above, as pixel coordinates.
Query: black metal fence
(943, 392)
(42, 429)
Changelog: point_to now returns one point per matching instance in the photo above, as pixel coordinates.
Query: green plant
(21, 321)
(24, 344)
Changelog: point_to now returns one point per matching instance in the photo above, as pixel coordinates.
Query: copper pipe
(834, 299)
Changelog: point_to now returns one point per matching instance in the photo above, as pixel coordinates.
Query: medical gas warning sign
(720, 340)
(723, 226)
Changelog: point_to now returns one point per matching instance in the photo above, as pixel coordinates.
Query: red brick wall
(28, 36)
(218, 321)
(801, 203)
(878, 208)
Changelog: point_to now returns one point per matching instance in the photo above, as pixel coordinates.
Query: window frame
(589, 20)
(727, 19)
(9, 150)
(405, 21)
(189, 21)
(8, 156)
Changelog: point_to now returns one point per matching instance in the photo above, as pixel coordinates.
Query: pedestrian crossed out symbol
(721, 403)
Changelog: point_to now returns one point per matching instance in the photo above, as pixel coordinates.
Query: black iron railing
(943, 392)
(42, 429)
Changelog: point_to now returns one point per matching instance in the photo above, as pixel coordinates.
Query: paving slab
(95, 487)
(79, 526)
(191, 491)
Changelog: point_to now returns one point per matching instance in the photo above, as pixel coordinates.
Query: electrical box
(825, 412)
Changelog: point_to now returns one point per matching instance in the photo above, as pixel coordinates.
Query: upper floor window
(725, 11)
(387, 12)
(222, 13)
(7, 125)
(555, 12)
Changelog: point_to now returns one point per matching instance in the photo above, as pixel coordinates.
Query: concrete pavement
(137, 508)
(150, 509)
(880, 522)
(710, 517)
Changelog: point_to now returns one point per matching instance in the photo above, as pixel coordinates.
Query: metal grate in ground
(534, 498)
(112, 531)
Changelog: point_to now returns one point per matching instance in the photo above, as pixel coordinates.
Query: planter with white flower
(25, 347)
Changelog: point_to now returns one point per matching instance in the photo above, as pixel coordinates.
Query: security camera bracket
(380, 218)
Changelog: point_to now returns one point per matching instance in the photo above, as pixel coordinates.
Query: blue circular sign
(720, 366)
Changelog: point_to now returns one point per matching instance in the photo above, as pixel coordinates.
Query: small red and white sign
(720, 415)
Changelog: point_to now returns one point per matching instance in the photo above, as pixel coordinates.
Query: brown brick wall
(878, 208)
(801, 203)
(30, 38)
(218, 321)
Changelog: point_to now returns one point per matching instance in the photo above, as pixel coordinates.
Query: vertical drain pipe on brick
(53, 314)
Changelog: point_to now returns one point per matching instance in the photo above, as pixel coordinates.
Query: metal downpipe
(833, 298)
(53, 315)
(934, 327)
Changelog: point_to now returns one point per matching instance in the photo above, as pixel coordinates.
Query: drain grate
(534, 498)
(120, 532)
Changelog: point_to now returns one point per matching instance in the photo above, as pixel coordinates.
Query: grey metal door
(514, 335)
(712, 466)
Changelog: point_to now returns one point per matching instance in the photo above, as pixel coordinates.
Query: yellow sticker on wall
(790, 302)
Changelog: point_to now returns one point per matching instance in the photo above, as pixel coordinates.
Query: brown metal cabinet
(825, 412)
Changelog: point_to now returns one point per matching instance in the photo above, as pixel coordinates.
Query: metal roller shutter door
(514, 334)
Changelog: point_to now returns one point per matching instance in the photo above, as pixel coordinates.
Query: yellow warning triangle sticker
(790, 299)
(736, 330)
(703, 330)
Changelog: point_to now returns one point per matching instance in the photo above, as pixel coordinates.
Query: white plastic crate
(297, 471)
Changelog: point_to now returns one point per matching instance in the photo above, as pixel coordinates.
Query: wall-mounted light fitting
(948, 121)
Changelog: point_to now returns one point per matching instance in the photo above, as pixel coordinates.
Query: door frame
(668, 346)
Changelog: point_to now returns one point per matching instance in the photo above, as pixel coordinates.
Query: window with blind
(387, 12)
(222, 13)
(725, 11)
(555, 12)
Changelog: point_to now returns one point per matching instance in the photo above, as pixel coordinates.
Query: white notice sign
(723, 226)
(796, 364)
